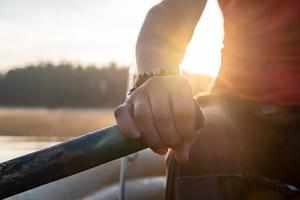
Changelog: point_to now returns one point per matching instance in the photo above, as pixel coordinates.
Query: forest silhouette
(67, 85)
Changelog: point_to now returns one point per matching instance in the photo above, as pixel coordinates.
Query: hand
(162, 112)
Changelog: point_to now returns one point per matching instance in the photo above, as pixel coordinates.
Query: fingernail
(135, 134)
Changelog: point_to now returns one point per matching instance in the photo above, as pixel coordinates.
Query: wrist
(158, 71)
(141, 78)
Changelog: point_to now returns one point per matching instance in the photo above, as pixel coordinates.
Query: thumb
(182, 154)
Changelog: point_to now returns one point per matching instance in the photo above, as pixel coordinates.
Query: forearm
(166, 33)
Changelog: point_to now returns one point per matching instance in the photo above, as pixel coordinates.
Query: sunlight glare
(203, 55)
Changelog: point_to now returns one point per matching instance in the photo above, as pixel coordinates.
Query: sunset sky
(93, 32)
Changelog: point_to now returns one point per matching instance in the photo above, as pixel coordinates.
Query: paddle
(68, 158)
(65, 159)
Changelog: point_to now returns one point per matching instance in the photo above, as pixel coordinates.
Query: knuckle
(119, 110)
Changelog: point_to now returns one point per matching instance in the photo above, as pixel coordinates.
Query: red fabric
(261, 55)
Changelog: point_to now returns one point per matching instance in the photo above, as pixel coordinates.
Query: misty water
(15, 146)
(143, 175)
(99, 183)
(24, 130)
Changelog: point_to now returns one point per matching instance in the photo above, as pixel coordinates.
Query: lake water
(15, 146)
(24, 130)
(16, 124)
(99, 183)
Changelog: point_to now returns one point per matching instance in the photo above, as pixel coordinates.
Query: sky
(94, 32)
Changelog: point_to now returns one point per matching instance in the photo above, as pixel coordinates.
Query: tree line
(66, 85)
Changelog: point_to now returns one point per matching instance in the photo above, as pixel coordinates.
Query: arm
(166, 32)
(162, 111)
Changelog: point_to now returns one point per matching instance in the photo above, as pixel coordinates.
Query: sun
(203, 55)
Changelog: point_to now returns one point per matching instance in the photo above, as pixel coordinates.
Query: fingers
(161, 112)
(183, 109)
(143, 117)
(123, 115)
(124, 119)
(164, 122)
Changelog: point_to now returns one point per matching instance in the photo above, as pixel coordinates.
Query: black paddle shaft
(68, 158)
